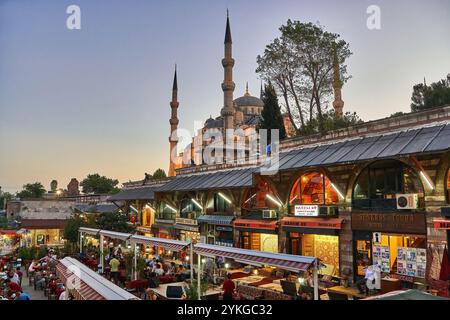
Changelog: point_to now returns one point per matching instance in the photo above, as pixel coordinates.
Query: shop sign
(190, 222)
(255, 225)
(312, 223)
(376, 238)
(389, 222)
(144, 229)
(306, 210)
(228, 229)
(442, 224)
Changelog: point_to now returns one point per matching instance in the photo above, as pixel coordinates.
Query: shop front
(257, 235)
(187, 230)
(44, 232)
(217, 230)
(394, 241)
(318, 237)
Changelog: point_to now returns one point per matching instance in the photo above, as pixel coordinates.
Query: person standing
(228, 288)
(114, 264)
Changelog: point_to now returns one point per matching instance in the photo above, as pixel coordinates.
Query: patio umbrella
(445, 267)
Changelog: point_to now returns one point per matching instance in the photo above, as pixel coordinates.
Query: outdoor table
(350, 292)
(249, 279)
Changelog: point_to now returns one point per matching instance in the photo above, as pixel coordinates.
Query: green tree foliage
(4, 198)
(330, 122)
(159, 174)
(53, 186)
(94, 183)
(271, 113)
(435, 95)
(74, 223)
(32, 190)
(117, 221)
(300, 65)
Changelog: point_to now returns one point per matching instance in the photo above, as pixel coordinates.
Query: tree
(75, 222)
(32, 190)
(4, 198)
(53, 186)
(300, 63)
(159, 174)
(425, 97)
(117, 221)
(94, 183)
(271, 113)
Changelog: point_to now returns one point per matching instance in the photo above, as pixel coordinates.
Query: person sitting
(172, 269)
(159, 271)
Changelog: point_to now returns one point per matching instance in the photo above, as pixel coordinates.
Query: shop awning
(283, 261)
(402, 143)
(320, 223)
(224, 179)
(136, 193)
(174, 245)
(96, 208)
(90, 231)
(216, 219)
(115, 235)
(7, 231)
(87, 284)
(441, 224)
(255, 224)
(43, 223)
(185, 227)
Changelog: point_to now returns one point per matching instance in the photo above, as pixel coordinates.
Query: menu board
(411, 262)
(382, 258)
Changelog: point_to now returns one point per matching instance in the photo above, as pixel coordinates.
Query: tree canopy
(159, 174)
(429, 96)
(300, 64)
(94, 183)
(271, 113)
(32, 190)
(54, 186)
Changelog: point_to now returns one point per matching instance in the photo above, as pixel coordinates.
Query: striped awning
(115, 235)
(86, 284)
(215, 219)
(280, 260)
(90, 231)
(168, 244)
(84, 291)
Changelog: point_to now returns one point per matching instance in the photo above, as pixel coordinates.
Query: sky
(96, 100)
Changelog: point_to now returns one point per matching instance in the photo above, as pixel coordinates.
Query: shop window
(313, 188)
(379, 183)
(166, 212)
(261, 197)
(221, 203)
(190, 208)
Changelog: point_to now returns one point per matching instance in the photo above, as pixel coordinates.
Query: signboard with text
(306, 210)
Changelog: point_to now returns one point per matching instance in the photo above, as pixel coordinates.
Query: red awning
(320, 223)
(255, 224)
(441, 224)
(84, 292)
(174, 245)
(284, 261)
(7, 231)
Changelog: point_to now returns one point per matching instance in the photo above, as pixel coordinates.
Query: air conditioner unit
(407, 201)
(269, 214)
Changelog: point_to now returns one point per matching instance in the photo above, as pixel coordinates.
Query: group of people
(11, 281)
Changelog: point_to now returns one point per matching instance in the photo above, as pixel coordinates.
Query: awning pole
(135, 262)
(316, 281)
(102, 254)
(191, 260)
(81, 242)
(199, 271)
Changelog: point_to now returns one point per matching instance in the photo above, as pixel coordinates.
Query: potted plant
(192, 292)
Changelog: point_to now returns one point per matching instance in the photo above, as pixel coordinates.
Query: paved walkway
(34, 294)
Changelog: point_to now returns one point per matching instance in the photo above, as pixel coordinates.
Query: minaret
(338, 103)
(173, 139)
(228, 85)
(261, 92)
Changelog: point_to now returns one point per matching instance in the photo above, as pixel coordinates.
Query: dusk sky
(96, 100)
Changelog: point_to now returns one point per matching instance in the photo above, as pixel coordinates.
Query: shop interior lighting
(427, 180)
(134, 209)
(250, 198)
(197, 204)
(337, 190)
(268, 196)
(224, 197)
(171, 208)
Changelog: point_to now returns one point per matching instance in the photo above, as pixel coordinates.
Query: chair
(289, 287)
(337, 296)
